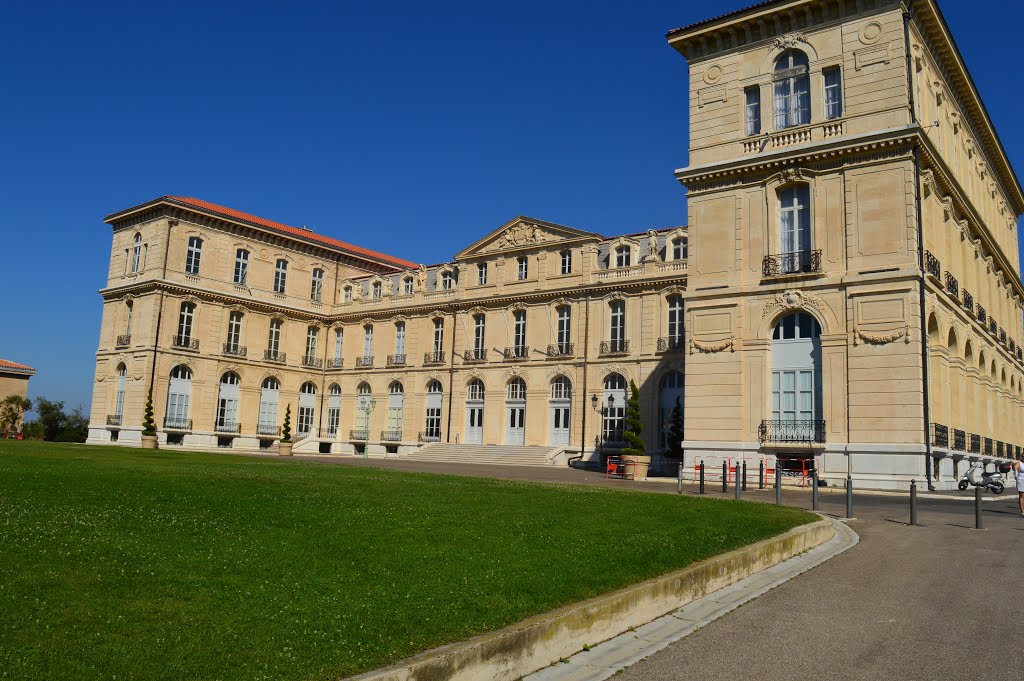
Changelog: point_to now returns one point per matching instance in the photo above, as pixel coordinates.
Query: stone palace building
(848, 287)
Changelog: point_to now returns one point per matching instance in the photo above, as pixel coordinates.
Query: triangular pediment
(524, 234)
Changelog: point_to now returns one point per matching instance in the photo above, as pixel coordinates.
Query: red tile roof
(295, 231)
(7, 364)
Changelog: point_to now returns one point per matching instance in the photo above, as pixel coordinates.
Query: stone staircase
(500, 455)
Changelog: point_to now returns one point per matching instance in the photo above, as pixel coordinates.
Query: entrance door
(474, 425)
(516, 422)
(559, 425)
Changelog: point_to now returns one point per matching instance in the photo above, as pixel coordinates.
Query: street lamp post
(367, 409)
(603, 411)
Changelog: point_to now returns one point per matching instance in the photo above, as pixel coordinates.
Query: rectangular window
(407, 286)
(128, 320)
(399, 338)
(752, 109)
(346, 294)
(241, 266)
(446, 280)
(274, 339)
(234, 330)
(316, 287)
(433, 425)
(680, 248)
(481, 273)
(833, 92)
(377, 291)
(195, 251)
(617, 327)
(338, 338)
(438, 336)
(566, 261)
(136, 253)
(675, 319)
(622, 256)
(564, 328)
(312, 335)
(280, 275)
(794, 220)
(367, 341)
(523, 267)
(479, 331)
(519, 330)
(185, 321)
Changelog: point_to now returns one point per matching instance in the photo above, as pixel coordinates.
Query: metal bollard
(725, 477)
(744, 476)
(978, 524)
(913, 502)
(702, 477)
(849, 496)
(736, 482)
(760, 475)
(778, 484)
(679, 479)
(814, 488)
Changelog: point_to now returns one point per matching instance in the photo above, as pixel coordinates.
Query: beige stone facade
(848, 287)
(14, 379)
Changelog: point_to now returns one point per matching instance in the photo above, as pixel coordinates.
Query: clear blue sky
(409, 127)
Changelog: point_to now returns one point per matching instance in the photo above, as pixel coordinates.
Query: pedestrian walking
(1018, 468)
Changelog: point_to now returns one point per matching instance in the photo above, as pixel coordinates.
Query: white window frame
(234, 330)
(280, 275)
(566, 258)
(752, 110)
(833, 78)
(623, 256)
(399, 338)
(438, 336)
(186, 318)
(447, 278)
(136, 252)
(564, 327)
(316, 285)
(522, 268)
(791, 89)
(312, 338)
(795, 219)
(481, 274)
(194, 255)
(479, 333)
(241, 266)
(519, 329)
(274, 338)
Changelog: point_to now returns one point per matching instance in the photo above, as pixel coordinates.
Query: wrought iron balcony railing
(433, 358)
(993, 325)
(362, 434)
(185, 342)
(940, 435)
(114, 420)
(171, 423)
(952, 285)
(228, 427)
(932, 265)
(474, 356)
(302, 433)
(428, 437)
(561, 350)
(959, 440)
(785, 264)
(1002, 335)
(390, 436)
(670, 343)
(234, 350)
(335, 363)
(274, 356)
(1020, 355)
(968, 301)
(791, 432)
(517, 352)
(268, 429)
(988, 446)
(999, 448)
(975, 444)
(312, 362)
(396, 360)
(614, 347)
(124, 340)
(365, 361)
(982, 315)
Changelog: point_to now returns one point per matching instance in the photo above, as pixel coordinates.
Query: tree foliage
(675, 431)
(56, 425)
(634, 425)
(12, 411)
(148, 424)
(286, 431)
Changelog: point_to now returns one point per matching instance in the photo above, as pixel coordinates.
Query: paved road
(906, 603)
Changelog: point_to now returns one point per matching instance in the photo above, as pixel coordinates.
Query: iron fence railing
(114, 420)
(312, 362)
(124, 340)
(959, 440)
(517, 352)
(932, 265)
(993, 325)
(234, 350)
(274, 356)
(975, 444)
(185, 342)
(430, 358)
(474, 356)
(228, 427)
(670, 343)
(952, 285)
(968, 301)
(365, 361)
(268, 429)
(614, 347)
(797, 262)
(390, 436)
(171, 423)
(988, 446)
(982, 315)
(359, 434)
(335, 363)
(428, 437)
(940, 435)
(396, 360)
(561, 350)
(781, 431)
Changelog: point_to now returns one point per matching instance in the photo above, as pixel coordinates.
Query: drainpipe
(583, 393)
(160, 305)
(451, 381)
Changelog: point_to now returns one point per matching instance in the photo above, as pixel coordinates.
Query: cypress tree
(148, 425)
(634, 426)
(286, 431)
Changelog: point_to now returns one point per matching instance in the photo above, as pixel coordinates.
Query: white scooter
(993, 482)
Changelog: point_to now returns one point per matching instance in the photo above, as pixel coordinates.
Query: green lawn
(115, 563)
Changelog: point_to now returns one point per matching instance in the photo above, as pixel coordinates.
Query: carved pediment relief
(524, 234)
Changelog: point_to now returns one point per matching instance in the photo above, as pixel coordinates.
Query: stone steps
(501, 455)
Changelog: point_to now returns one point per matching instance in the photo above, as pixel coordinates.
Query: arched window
(613, 410)
(474, 411)
(435, 400)
(307, 409)
(796, 394)
(515, 412)
(792, 87)
(122, 383)
(178, 392)
(561, 406)
(333, 410)
(670, 409)
(227, 404)
(447, 280)
(136, 252)
(269, 396)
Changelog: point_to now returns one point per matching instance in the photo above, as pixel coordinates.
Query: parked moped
(993, 482)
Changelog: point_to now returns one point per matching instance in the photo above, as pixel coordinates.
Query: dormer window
(566, 256)
(376, 290)
(481, 274)
(622, 256)
(523, 267)
(680, 248)
(407, 286)
(446, 280)
(792, 87)
(346, 294)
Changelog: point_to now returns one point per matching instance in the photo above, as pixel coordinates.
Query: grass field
(118, 563)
